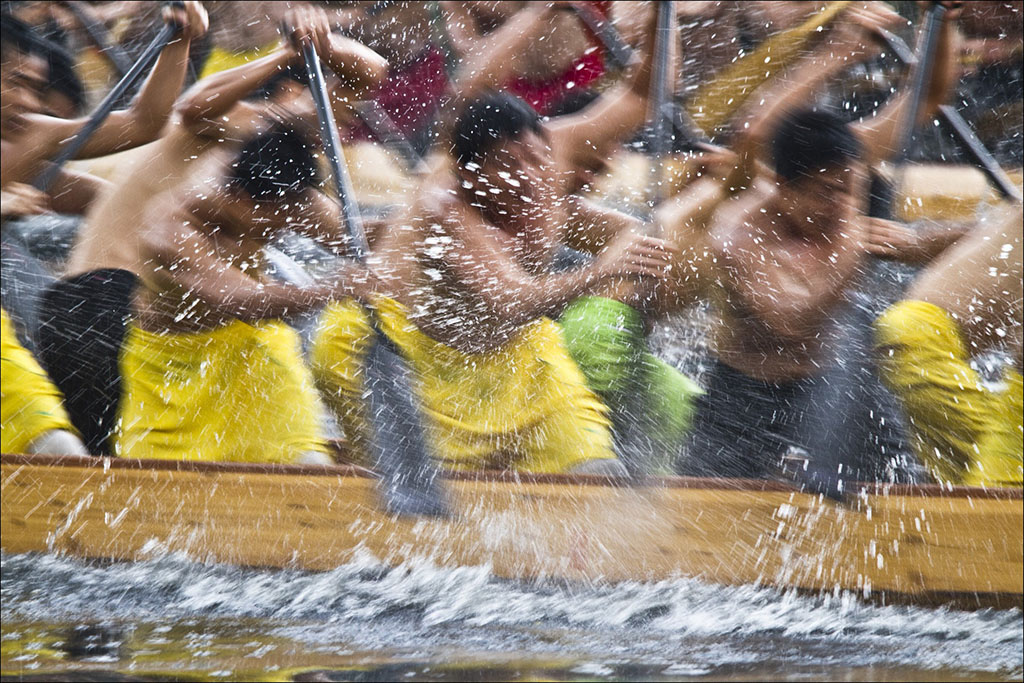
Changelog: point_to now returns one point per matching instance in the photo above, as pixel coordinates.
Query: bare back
(109, 236)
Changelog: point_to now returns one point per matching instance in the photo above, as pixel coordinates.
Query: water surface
(172, 617)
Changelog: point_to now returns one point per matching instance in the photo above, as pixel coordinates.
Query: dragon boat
(923, 544)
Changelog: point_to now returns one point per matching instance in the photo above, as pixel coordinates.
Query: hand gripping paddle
(409, 479)
(167, 33)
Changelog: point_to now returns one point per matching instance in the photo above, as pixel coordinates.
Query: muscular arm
(73, 192)
(900, 242)
(143, 121)
(203, 109)
(186, 263)
(685, 222)
(592, 226)
(514, 295)
(846, 42)
(359, 68)
(880, 133)
(978, 281)
(319, 219)
(489, 271)
(488, 62)
(617, 114)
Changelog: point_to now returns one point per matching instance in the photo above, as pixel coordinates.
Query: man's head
(23, 75)
(500, 148)
(273, 170)
(817, 159)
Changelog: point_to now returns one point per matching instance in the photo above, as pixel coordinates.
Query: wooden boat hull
(918, 544)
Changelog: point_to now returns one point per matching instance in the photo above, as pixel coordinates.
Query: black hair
(488, 120)
(574, 101)
(807, 141)
(18, 36)
(276, 164)
(62, 77)
(270, 86)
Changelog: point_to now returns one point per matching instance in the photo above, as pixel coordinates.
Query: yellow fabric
(29, 402)
(239, 392)
(222, 60)
(963, 432)
(716, 101)
(525, 406)
(339, 348)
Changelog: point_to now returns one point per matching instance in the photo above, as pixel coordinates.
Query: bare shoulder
(738, 221)
(168, 236)
(25, 154)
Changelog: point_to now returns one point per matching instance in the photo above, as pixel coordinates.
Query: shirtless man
(787, 252)
(34, 419)
(467, 291)
(967, 301)
(184, 196)
(30, 138)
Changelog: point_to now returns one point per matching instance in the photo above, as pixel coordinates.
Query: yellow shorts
(29, 402)
(240, 392)
(525, 406)
(963, 432)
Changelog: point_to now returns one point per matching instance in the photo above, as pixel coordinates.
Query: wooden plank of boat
(896, 543)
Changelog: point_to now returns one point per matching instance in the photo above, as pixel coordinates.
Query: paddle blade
(410, 481)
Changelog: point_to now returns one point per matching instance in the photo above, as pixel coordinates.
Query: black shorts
(82, 325)
(744, 426)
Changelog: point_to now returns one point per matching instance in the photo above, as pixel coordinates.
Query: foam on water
(684, 625)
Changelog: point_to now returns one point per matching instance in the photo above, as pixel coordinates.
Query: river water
(175, 618)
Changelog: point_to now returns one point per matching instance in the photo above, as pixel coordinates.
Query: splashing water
(171, 614)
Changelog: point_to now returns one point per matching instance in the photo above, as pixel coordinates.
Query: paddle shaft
(99, 115)
(335, 157)
(620, 54)
(631, 427)
(956, 124)
(659, 137)
(98, 34)
(388, 133)
(929, 45)
(410, 482)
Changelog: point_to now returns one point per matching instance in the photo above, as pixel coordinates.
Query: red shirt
(411, 95)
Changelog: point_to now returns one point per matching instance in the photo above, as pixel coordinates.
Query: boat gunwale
(496, 476)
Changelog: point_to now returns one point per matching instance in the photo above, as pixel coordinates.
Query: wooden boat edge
(496, 476)
(730, 500)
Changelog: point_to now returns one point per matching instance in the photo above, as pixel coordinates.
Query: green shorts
(606, 339)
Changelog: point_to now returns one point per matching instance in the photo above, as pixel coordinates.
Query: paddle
(929, 45)
(99, 36)
(974, 147)
(631, 424)
(409, 479)
(620, 54)
(842, 391)
(388, 133)
(658, 131)
(103, 109)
